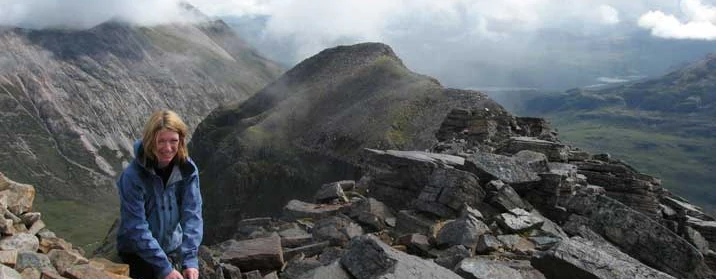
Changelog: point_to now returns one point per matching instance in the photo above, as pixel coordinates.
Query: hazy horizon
(543, 44)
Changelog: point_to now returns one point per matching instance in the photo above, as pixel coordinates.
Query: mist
(542, 44)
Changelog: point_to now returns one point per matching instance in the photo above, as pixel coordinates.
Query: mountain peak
(343, 58)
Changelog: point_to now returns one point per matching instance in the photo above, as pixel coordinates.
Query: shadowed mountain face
(307, 128)
(664, 125)
(73, 102)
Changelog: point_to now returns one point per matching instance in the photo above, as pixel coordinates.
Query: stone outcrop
(28, 249)
(638, 235)
(623, 183)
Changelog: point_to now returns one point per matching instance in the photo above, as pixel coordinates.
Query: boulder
(372, 214)
(253, 254)
(398, 177)
(463, 231)
(503, 197)
(336, 230)
(369, 257)
(447, 190)
(580, 258)
(518, 220)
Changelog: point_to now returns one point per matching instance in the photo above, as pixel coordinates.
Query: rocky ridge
(480, 204)
(310, 125)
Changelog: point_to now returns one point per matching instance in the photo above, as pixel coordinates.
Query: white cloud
(609, 15)
(87, 13)
(699, 22)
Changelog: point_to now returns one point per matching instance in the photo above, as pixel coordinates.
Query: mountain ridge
(74, 101)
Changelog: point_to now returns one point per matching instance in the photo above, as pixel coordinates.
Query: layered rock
(578, 258)
(639, 236)
(623, 183)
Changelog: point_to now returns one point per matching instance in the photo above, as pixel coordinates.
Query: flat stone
(253, 254)
(296, 209)
(480, 268)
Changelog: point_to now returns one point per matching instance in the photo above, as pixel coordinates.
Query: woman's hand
(174, 275)
(191, 273)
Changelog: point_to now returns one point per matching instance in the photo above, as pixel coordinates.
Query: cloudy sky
(446, 38)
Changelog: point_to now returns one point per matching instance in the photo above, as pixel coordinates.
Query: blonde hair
(164, 120)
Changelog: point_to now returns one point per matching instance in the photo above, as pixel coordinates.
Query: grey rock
(519, 220)
(309, 250)
(417, 244)
(695, 238)
(639, 236)
(369, 257)
(409, 221)
(579, 258)
(398, 177)
(292, 241)
(555, 152)
(537, 161)
(687, 208)
(253, 254)
(297, 268)
(254, 274)
(450, 257)
(337, 230)
(330, 193)
(463, 231)
(487, 243)
(334, 270)
(503, 197)
(230, 271)
(371, 213)
(707, 229)
(330, 254)
(480, 268)
(623, 183)
(447, 191)
(488, 166)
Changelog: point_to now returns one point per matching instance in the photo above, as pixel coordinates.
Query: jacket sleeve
(191, 223)
(134, 222)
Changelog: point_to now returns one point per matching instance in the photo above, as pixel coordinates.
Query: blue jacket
(157, 219)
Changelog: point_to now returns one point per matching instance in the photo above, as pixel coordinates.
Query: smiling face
(166, 146)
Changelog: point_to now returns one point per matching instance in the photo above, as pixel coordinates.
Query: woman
(161, 221)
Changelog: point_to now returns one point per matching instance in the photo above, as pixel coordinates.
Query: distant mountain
(73, 101)
(309, 127)
(667, 125)
(545, 59)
